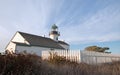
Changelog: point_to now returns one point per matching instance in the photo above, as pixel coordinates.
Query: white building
(25, 42)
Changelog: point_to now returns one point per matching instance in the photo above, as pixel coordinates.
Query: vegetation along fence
(89, 57)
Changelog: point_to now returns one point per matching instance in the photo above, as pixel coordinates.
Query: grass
(27, 64)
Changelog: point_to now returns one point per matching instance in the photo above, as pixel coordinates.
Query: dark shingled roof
(35, 40)
(18, 43)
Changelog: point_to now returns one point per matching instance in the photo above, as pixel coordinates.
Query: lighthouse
(54, 34)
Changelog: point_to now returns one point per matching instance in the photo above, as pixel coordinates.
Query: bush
(27, 64)
(16, 64)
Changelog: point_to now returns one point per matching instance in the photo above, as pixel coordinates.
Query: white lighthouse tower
(54, 34)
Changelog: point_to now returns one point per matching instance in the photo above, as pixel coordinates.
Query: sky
(82, 23)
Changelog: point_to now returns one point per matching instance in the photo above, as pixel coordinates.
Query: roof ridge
(32, 34)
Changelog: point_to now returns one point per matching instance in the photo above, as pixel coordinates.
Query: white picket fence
(71, 55)
(89, 57)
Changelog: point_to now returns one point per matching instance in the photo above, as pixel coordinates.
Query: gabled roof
(36, 40)
(62, 42)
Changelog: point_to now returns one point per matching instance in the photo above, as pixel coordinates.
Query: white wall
(32, 49)
(11, 47)
(54, 37)
(19, 38)
(91, 57)
(16, 38)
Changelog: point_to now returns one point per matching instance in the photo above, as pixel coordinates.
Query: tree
(97, 49)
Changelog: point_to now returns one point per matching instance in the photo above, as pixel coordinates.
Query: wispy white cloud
(32, 16)
(79, 21)
(102, 26)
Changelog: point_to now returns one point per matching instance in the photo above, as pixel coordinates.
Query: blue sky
(81, 23)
